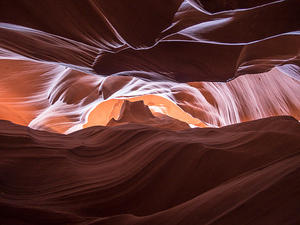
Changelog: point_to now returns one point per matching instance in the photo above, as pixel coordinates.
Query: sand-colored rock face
(137, 112)
(59, 99)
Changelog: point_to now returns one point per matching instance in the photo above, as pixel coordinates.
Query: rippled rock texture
(135, 174)
(98, 99)
(67, 65)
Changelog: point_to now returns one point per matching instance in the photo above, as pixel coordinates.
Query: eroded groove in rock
(138, 112)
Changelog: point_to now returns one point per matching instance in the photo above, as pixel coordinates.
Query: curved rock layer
(135, 174)
(174, 39)
(97, 98)
(63, 62)
(59, 99)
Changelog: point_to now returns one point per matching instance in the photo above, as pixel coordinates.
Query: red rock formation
(138, 113)
(166, 40)
(136, 174)
(101, 94)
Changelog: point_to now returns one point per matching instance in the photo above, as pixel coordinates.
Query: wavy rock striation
(100, 95)
(137, 174)
(50, 51)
